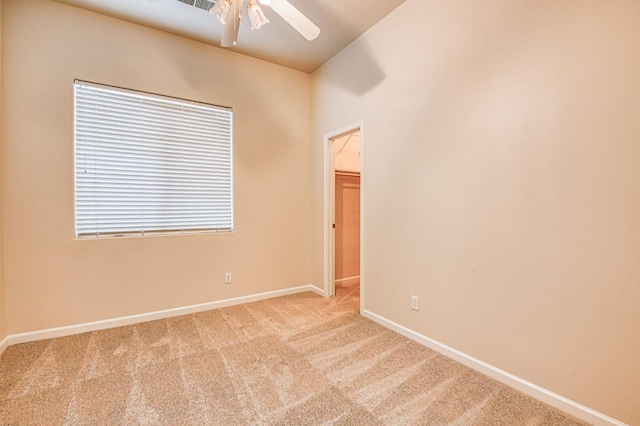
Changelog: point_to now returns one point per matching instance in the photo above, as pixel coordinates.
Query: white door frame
(329, 209)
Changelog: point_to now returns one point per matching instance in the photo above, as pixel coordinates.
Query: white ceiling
(340, 21)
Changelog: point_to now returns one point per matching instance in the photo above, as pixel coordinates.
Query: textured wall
(502, 186)
(53, 280)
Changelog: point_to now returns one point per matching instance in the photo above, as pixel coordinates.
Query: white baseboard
(50, 333)
(544, 395)
(4, 344)
(316, 290)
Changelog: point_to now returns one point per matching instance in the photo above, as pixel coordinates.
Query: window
(148, 164)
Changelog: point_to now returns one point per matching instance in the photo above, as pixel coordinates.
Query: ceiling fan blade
(232, 25)
(295, 18)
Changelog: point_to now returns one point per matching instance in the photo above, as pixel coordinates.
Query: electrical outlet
(227, 278)
(414, 303)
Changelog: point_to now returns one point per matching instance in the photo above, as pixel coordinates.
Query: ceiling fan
(230, 13)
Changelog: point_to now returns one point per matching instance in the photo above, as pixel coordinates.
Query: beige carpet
(295, 360)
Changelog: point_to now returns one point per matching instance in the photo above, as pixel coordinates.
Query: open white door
(334, 143)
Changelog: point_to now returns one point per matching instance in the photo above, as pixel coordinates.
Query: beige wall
(3, 313)
(502, 184)
(53, 280)
(346, 153)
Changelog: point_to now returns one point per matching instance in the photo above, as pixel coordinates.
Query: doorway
(344, 214)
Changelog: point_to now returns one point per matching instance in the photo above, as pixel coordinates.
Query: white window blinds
(150, 164)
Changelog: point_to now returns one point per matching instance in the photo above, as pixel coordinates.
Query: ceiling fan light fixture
(229, 12)
(221, 9)
(256, 16)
